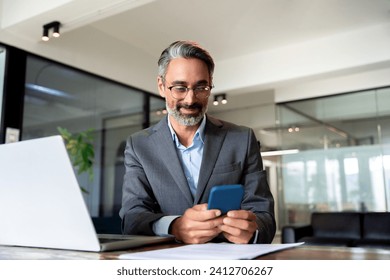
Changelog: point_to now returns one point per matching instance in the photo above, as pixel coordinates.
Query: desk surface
(298, 253)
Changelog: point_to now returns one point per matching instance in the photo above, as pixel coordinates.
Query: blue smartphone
(226, 197)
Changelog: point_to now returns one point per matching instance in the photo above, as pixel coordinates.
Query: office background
(310, 77)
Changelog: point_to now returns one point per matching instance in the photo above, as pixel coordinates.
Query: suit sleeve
(139, 207)
(258, 197)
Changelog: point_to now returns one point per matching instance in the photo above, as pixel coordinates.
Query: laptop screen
(41, 204)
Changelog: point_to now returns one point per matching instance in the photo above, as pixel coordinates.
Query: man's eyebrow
(202, 82)
(184, 83)
(179, 83)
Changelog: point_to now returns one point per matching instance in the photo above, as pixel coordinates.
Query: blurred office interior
(312, 78)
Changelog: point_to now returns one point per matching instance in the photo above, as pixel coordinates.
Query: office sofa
(350, 229)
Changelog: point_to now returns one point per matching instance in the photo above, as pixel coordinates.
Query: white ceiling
(235, 28)
(257, 44)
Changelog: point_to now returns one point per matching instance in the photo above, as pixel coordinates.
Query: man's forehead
(187, 66)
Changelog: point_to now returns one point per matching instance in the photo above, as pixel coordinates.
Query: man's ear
(161, 86)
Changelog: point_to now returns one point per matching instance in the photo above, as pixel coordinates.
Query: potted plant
(81, 151)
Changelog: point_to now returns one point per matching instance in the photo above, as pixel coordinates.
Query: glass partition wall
(2, 70)
(337, 155)
(59, 96)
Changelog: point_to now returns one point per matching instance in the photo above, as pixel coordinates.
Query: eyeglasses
(180, 92)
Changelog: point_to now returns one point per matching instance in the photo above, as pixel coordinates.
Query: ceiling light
(293, 129)
(55, 25)
(215, 102)
(224, 100)
(279, 153)
(45, 35)
(56, 30)
(218, 97)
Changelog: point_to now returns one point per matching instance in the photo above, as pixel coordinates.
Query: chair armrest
(292, 233)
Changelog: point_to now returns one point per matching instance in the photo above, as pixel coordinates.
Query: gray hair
(184, 49)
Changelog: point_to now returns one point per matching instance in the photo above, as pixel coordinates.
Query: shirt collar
(199, 132)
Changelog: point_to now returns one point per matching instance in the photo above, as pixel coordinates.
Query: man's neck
(183, 132)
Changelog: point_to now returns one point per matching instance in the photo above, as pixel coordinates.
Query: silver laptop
(41, 204)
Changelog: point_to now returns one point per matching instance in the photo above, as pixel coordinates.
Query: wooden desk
(328, 253)
(297, 253)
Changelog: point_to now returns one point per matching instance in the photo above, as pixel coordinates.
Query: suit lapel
(166, 148)
(214, 137)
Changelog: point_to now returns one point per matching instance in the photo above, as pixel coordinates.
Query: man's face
(191, 73)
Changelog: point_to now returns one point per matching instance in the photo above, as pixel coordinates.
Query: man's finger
(200, 213)
(242, 214)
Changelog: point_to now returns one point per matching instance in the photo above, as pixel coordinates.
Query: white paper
(210, 251)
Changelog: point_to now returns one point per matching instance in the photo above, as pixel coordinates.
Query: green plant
(81, 151)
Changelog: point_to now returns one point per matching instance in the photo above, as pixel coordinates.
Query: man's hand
(197, 225)
(239, 226)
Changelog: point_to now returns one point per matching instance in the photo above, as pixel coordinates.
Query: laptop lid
(41, 204)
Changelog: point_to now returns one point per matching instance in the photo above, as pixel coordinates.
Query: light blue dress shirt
(191, 159)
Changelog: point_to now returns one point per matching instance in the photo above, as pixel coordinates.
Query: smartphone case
(226, 197)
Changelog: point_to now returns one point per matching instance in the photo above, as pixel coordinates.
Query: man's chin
(189, 120)
(189, 113)
(189, 116)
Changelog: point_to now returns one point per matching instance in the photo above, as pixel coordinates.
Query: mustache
(189, 106)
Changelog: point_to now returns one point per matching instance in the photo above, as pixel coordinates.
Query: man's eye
(201, 89)
(180, 89)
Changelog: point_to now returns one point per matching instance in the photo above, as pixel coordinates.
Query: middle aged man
(171, 166)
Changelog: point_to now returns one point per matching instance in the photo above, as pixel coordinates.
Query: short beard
(184, 119)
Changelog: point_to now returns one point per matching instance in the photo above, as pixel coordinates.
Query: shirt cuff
(161, 226)
(255, 235)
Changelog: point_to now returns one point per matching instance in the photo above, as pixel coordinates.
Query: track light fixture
(45, 35)
(218, 97)
(55, 25)
(215, 102)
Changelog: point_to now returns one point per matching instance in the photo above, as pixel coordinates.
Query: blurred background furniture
(348, 229)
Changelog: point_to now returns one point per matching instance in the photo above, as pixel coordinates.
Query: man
(171, 166)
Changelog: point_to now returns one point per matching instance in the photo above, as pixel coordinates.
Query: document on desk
(210, 251)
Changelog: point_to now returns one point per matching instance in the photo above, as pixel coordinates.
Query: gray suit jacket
(155, 185)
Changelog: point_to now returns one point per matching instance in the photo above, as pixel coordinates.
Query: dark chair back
(376, 226)
(336, 224)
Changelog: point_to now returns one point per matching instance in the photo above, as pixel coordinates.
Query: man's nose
(190, 97)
